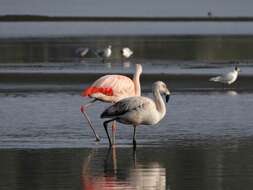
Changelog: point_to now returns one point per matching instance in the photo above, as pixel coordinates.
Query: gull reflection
(121, 172)
(232, 93)
(127, 64)
(108, 65)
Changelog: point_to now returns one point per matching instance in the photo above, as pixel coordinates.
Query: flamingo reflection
(115, 176)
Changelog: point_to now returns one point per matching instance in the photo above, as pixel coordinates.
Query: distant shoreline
(43, 18)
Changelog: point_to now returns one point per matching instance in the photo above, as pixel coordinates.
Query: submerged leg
(106, 130)
(114, 126)
(88, 119)
(134, 141)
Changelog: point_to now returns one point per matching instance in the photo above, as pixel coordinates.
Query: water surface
(53, 120)
(204, 142)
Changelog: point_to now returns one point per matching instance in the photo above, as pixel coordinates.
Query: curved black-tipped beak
(167, 97)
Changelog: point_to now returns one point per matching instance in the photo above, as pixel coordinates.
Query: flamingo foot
(82, 109)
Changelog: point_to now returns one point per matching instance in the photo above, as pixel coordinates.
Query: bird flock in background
(105, 53)
(128, 106)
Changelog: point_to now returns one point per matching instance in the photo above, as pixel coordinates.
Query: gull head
(237, 69)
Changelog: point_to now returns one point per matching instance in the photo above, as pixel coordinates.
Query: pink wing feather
(112, 85)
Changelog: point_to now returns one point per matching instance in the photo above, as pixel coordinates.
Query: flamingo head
(163, 89)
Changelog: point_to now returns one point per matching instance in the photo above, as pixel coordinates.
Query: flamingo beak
(167, 96)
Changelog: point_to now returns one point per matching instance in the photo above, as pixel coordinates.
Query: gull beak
(167, 96)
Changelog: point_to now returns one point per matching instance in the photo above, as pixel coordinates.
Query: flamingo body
(120, 85)
(111, 89)
(138, 110)
(133, 110)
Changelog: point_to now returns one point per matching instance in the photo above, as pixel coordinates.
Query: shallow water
(204, 142)
(215, 166)
(73, 29)
(169, 48)
(53, 120)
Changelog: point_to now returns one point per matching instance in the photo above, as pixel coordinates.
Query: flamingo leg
(83, 107)
(114, 126)
(89, 103)
(106, 130)
(134, 141)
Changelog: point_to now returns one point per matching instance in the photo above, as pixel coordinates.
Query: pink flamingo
(111, 89)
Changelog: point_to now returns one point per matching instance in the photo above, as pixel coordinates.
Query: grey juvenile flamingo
(138, 110)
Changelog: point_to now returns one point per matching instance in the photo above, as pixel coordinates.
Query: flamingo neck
(160, 105)
(137, 86)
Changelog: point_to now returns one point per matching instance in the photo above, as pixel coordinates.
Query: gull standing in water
(126, 52)
(227, 78)
(112, 88)
(138, 110)
(82, 52)
(104, 53)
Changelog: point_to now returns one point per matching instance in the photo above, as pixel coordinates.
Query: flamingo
(104, 53)
(228, 78)
(138, 110)
(126, 52)
(110, 89)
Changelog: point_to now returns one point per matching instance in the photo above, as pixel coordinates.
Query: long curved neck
(160, 105)
(137, 85)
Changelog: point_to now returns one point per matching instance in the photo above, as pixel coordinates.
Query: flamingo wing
(126, 105)
(121, 86)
